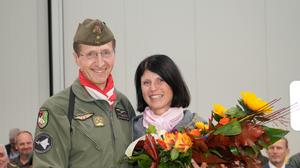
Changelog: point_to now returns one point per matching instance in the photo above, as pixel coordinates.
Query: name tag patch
(122, 114)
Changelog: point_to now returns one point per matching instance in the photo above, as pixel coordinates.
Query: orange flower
(224, 121)
(163, 144)
(168, 141)
(183, 142)
(195, 132)
(169, 138)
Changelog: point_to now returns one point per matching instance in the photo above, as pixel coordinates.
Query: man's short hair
(13, 132)
(23, 132)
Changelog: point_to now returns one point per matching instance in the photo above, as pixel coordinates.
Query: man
(277, 153)
(3, 157)
(24, 144)
(294, 161)
(12, 152)
(87, 124)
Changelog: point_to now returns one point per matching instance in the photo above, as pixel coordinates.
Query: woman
(162, 96)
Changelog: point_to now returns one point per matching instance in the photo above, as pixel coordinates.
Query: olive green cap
(93, 32)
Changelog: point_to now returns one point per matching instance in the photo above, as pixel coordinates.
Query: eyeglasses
(93, 55)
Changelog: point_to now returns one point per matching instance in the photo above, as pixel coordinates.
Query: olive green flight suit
(99, 137)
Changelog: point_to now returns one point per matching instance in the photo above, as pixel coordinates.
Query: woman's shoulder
(137, 118)
(137, 126)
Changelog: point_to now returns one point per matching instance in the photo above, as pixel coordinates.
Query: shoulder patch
(42, 143)
(43, 118)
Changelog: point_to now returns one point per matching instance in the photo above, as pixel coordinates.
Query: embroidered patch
(42, 143)
(122, 114)
(98, 121)
(83, 117)
(43, 118)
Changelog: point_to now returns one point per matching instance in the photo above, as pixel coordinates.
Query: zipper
(109, 115)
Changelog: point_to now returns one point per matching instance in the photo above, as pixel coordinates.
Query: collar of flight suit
(82, 94)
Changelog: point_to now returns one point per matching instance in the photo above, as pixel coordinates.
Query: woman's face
(156, 92)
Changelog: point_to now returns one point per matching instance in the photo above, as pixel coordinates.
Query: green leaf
(216, 116)
(174, 154)
(143, 160)
(234, 150)
(274, 133)
(255, 148)
(249, 151)
(235, 112)
(214, 151)
(151, 129)
(262, 143)
(231, 128)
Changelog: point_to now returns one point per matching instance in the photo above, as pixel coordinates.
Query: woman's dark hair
(169, 72)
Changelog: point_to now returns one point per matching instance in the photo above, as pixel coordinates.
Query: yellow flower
(254, 103)
(183, 142)
(219, 109)
(201, 125)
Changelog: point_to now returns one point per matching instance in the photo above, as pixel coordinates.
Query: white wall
(221, 47)
(24, 83)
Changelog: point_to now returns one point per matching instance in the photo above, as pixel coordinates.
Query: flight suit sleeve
(52, 138)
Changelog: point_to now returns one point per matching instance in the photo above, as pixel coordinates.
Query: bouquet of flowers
(231, 135)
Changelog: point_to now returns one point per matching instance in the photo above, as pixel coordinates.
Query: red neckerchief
(109, 86)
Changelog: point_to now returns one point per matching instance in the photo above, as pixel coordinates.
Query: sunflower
(219, 110)
(254, 103)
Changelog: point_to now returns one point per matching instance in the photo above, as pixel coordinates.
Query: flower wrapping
(231, 137)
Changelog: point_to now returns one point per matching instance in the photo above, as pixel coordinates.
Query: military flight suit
(98, 137)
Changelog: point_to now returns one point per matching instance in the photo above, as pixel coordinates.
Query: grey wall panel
(283, 54)
(24, 63)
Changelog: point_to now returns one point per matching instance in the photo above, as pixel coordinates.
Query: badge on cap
(83, 117)
(42, 143)
(97, 28)
(43, 118)
(122, 114)
(98, 121)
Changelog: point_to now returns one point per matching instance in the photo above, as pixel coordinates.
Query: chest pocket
(85, 133)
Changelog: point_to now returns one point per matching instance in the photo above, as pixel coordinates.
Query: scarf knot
(108, 93)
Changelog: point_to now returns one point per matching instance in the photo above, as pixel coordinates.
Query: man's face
(3, 157)
(277, 152)
(96, 62)
(24, 143)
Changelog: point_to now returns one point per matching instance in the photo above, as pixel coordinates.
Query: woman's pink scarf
(167, 121)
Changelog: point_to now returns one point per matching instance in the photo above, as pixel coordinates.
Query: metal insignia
(43, 118)
(42, 143)
(97, 28)
(98, 121)
(83, 116)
